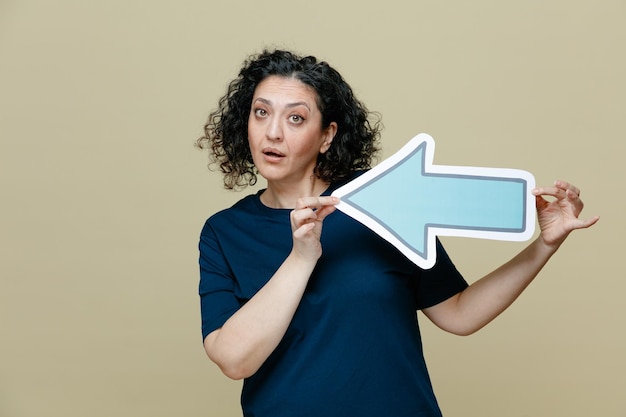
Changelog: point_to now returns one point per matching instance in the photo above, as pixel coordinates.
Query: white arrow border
(433, 231)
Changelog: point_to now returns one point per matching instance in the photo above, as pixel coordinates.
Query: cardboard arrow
(408, 201)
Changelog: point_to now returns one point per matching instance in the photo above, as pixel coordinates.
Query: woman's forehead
(285, 88)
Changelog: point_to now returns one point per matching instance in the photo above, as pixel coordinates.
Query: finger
(303, 230)
(575, 200)
(325, 211)
(547, 191)
(307, 215)
(541, 202)
(316, 202)
(567, 187)
(556, 192)
(302, 216)
(567, 197)
(583, 224)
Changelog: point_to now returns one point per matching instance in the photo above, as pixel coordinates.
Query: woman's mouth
(273, 154)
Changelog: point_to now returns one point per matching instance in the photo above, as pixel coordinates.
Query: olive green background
(103, 193)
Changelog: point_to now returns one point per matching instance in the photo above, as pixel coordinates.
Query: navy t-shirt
(353, 347)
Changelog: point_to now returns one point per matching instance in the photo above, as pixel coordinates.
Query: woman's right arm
(250, 335)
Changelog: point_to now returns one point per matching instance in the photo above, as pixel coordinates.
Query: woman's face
(285, 130)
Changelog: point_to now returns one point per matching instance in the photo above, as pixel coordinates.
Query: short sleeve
(217, 285)
(440, 282)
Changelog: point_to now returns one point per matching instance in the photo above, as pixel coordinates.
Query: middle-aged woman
(315, 311)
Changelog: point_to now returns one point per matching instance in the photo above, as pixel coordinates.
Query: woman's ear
(329, 134)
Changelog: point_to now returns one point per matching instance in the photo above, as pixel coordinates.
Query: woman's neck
(278, 195)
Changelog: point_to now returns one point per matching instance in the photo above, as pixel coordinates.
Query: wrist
(302, 261)
(547, 247)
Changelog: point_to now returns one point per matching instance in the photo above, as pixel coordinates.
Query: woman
(311, 308)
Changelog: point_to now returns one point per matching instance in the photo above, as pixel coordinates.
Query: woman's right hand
(306, 225)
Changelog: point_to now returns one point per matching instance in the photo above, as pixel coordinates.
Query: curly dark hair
(226, 132)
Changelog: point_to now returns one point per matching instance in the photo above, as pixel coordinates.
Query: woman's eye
(294, 118)
(260, 112)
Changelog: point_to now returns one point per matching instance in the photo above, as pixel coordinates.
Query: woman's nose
(274, 130)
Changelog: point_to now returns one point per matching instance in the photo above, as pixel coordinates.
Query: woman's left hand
(559, 217)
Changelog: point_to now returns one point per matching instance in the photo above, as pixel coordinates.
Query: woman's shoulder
(249, 208)
(238, 209)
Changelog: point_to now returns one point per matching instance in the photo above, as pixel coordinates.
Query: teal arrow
(409, 201)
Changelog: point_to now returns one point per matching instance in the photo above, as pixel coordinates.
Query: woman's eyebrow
(262, 100)
(298, 103)
(289, 106)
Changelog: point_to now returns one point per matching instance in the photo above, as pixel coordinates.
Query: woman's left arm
(481, 302)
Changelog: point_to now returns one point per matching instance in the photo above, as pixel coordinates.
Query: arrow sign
(408, 201)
